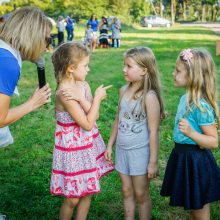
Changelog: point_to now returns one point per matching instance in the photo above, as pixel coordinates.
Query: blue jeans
(70, 34)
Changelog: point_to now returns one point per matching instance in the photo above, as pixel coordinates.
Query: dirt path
(214, 26)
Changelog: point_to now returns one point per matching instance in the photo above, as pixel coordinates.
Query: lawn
(25, 166)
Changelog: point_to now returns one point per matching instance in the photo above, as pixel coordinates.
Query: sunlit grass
(25, 166)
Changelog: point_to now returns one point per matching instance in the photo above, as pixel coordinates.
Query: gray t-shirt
(132, 125)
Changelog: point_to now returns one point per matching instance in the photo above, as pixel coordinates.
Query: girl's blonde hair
(144, 57)
(70, 53)
(200, 79)
(26, 30)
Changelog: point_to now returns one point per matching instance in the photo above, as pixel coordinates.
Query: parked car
(154, 21)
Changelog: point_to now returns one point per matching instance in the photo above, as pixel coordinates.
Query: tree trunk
(152, 5)
(161, 8)
(215, 13)
(184, 10)
(203, 13)
(173, 11)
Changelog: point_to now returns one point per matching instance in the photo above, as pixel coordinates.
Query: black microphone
(41, 72)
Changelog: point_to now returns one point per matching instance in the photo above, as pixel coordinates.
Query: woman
(103, 38)
(94, 24)
(61, 27)
(24, 36)
(116, 29)
(69, 27)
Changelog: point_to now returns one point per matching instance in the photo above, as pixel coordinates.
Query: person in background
(61, 24)
(2, 21)
(78, 158)
(192, 177)
(103, 38)
(88, 36)
(70, 28)
(116, 29)
(94, 24)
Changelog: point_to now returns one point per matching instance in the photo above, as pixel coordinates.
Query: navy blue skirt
(192, 177)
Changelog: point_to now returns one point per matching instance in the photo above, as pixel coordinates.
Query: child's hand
(184, 127)
(73, 93)
(108, 155)
(100, 92)
(152, 170)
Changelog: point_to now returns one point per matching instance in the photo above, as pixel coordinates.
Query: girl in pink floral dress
(78, 158)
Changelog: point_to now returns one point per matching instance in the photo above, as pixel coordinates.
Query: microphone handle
(41, 77)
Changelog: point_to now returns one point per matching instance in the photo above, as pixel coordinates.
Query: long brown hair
(144, 57)
(201, 80)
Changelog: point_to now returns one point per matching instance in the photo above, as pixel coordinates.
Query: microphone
(41, 72)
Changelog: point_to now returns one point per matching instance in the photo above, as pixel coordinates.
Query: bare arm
(209, 138)
(86, 121)
(114, 132)
(115, 125)
(9, 116)
(100, 25)
(153, 117)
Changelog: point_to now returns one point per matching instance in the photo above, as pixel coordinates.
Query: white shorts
(95, 34)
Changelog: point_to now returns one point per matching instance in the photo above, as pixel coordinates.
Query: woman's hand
(152, 170)
(185, 127)
(108, 155)
(40, 97)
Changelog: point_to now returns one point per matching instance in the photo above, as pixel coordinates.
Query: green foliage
(85, 8)
(128, 10)
(5, 8)
(121, 8)
(139, 8)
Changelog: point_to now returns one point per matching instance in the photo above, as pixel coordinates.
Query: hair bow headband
(187, 55)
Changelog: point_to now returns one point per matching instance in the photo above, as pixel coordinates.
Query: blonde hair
(200, 79)
(70, 53)
(144, 57)
(26, 30)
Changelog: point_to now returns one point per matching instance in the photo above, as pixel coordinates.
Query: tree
(206, 8)
(121, 8)
(173, 11)
(139, 8)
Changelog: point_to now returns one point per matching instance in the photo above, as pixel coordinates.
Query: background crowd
(103, 33)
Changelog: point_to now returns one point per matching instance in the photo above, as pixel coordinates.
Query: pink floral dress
(78, 159)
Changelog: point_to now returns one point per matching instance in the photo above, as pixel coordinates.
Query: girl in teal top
(196, 118)
(192, 177)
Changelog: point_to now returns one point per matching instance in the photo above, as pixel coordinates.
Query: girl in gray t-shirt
(135, 130)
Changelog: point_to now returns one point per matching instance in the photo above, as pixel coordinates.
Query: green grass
(25, 166)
